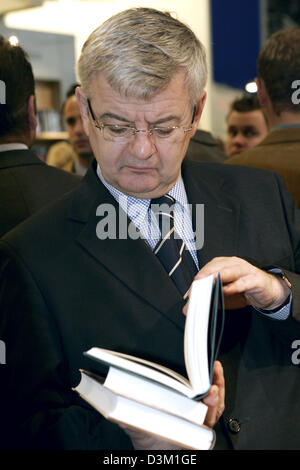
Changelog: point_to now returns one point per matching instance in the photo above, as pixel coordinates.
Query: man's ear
(198, 113)
(31, 113)
(262, 94)
(82, 102)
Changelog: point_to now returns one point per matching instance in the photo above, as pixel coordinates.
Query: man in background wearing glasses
(142, 77)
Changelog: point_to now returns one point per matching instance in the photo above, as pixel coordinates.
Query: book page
(153, 394)
(145, 418)
(196, 334)
(144, 368)
(195, 348)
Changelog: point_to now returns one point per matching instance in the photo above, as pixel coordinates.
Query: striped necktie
(171, 249)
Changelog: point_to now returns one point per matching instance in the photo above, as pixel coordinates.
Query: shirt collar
(177, 192)
(286, 126)
(138, 211)
(12, 146)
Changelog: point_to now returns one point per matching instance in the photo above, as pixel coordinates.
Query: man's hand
(143, 441)
(245, 284)
(215, 400)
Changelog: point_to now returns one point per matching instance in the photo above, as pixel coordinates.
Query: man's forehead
(241, 118)
(71, 106)
(100, 85)
(173, 100)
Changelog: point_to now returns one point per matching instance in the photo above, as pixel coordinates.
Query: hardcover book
(152, 398)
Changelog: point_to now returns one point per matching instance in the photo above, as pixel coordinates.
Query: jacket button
(233, 425)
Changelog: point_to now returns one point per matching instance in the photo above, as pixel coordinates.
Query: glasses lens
(171, 134)
(164, 132)
(115, 132)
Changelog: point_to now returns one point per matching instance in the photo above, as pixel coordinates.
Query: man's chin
(234, 154)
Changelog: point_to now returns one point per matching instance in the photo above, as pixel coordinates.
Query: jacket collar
(283, 135)
(13, 146)
(21, 157)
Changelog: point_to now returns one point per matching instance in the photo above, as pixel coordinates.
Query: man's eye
(70, 121)
(163, 131)
(250, 132)
(117, 130)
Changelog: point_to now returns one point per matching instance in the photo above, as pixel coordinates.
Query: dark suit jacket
(27, 185)
(204, 148)
(279, 152)
(63, 291)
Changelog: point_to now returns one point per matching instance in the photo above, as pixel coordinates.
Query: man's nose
(142, 145)
(239, 139)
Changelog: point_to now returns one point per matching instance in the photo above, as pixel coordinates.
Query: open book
(153, 398)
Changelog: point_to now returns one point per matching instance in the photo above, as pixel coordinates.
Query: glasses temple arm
(90, 109)
(194, 114)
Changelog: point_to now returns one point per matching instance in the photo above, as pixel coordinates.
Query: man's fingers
(212, 397)
(215, 399)
(218, 374)
(230, 267)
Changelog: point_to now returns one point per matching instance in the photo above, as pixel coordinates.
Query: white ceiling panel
(7, 6)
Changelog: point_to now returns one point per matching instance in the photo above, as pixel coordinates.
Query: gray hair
(139, 50)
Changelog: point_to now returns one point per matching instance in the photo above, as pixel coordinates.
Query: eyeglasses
(117, 133)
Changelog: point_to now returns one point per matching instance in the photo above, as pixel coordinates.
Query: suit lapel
(219, 231)
(130, 261)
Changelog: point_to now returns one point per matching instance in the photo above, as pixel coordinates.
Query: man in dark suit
(26, 183)
(71, 280)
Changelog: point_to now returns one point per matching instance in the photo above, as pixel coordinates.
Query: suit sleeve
(289, 329)
(39, 410)
(292, 217)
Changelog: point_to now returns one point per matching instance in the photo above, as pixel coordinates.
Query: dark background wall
(239, 29)
(236, 40)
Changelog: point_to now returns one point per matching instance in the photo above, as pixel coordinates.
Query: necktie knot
(166, 199)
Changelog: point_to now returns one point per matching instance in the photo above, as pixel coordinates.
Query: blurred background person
(27, 184)
(246, 125)
(278, 67)
(204, 147)
(76, 154)
(61, 155)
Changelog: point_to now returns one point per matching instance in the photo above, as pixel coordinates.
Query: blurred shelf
(51, 136)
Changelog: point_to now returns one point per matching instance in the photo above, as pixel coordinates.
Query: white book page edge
(145, 418)
(144, 368)
(155, 395)
(195, 335)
